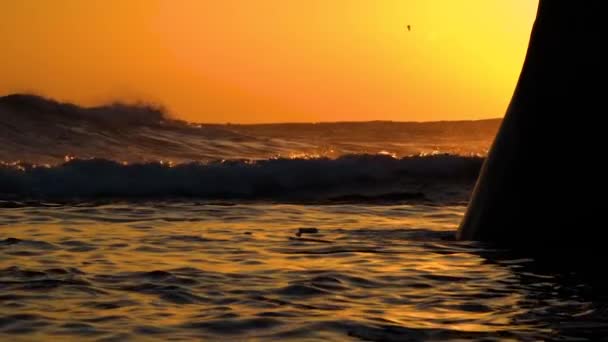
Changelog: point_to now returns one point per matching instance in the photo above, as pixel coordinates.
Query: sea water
(118, 223)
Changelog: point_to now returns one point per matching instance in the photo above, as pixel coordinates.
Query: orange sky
(271, 60)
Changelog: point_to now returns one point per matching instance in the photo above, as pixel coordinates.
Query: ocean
(120, 223)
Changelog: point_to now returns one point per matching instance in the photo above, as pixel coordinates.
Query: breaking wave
(345, 179)
(138, 151)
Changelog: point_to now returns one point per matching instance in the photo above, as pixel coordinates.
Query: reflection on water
(183, 270)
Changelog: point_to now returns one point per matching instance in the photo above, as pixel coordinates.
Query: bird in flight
(409, 27)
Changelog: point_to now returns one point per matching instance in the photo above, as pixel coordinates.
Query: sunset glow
(301, 170)
(271, 60)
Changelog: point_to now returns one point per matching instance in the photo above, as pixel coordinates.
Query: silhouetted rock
(10, 241)
(542, 186)
(306, 231)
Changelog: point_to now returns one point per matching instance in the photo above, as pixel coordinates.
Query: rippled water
(182, 270)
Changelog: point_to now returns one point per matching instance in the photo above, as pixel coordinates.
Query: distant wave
(351, 178)
(40, 130)
(112, 114)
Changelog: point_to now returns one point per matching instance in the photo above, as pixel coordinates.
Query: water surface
(178, 270)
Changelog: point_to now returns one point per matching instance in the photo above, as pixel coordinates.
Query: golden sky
(271, 60)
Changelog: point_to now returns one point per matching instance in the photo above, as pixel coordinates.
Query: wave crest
(117, 113)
